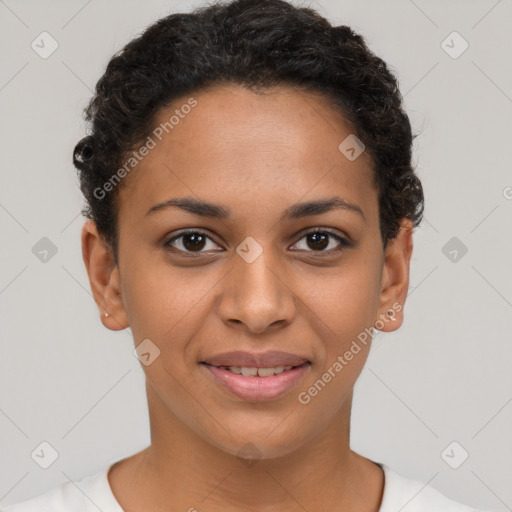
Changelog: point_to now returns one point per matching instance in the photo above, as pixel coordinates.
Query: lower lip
(258, 389)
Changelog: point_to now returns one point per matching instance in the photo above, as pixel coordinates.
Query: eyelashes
(325, 234)
(188, 241)
(198, 238)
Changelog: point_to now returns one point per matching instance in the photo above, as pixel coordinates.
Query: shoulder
(87, 495)
(407, 495)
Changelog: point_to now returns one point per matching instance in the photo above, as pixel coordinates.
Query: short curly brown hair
(258, 44)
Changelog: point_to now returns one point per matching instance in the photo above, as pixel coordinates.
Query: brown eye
(190, 242)
(194, 242)
(320, 239)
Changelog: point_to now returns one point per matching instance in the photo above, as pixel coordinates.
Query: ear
(395, 279)
(103, 277)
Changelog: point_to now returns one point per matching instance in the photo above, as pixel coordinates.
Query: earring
(106, 315)
(391, 314)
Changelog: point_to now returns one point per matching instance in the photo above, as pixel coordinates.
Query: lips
(257, 388)
(257, 377)
(239, 359)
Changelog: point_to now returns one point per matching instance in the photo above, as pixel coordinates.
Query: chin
(261, 442)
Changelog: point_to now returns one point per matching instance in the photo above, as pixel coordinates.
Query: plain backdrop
(443, 378)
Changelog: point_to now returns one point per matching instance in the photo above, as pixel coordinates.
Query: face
(286, 257)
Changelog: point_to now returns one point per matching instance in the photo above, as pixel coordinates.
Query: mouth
(257, 384)
(253, 371)
(248, 360)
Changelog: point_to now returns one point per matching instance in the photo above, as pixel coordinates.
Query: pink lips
(269, 359)
(258, 389)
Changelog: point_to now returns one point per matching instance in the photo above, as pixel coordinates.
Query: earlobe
(395, 279)
(103, 278)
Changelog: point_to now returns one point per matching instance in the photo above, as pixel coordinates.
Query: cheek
(345, 312)
(347, 299)
(345, 308)
(167, 305)
(155, 300)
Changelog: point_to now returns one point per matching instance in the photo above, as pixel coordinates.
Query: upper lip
(269, 359)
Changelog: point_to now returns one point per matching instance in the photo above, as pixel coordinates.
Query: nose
(256, 295)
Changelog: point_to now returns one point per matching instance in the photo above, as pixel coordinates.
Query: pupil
(196, 241)
(319, 238)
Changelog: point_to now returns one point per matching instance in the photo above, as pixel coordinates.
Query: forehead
(234, 145)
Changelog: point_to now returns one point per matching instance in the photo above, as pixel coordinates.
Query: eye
(191, 241)
(320, 239)
(195, 241)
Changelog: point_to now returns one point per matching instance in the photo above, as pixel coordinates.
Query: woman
(250, 204)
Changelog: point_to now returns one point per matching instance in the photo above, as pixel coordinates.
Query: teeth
(260, 372)
(266, 372)
(249, 372)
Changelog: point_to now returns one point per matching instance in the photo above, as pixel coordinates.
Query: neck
(182, 469)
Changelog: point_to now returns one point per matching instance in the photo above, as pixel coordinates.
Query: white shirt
(400, 494)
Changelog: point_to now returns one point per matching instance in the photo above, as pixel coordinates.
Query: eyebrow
(294, 212)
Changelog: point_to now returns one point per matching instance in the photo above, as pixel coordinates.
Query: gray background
(444, 376)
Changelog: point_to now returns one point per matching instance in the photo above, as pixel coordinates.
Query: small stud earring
(391, 314)
(106, 315)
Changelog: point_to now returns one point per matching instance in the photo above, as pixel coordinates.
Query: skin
(256, 155)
